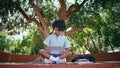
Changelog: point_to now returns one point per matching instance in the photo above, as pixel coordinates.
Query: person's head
(58, 26)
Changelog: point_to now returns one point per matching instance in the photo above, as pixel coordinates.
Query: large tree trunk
(62, 14)
(45, 34)
(41, 24)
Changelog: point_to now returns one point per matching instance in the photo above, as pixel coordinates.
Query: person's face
(57, 31)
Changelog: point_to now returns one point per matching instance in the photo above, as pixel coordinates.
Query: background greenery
(101, 19)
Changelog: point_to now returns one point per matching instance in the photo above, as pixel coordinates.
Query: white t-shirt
(56, 45)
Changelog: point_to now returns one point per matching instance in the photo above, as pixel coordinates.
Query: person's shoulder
(51, 35)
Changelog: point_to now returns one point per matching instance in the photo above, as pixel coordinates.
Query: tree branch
(38, 13)
(75, 8)
(62, 11)
(29, 19)
(74, 30)
(38, 24)
(25, 15)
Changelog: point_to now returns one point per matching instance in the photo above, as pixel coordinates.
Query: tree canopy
(92, 25)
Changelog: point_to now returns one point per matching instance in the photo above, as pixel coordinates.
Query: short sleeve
(47, 41)
(66, 44)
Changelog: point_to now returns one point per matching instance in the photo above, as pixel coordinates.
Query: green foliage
(102, 25)
(37, 43)
(6, 7)
(3, 41)
(30, 44)
(101, 19)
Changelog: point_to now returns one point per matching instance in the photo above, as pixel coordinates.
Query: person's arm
(66, 48)
(66, 44)
(47, 43)
(46, 47)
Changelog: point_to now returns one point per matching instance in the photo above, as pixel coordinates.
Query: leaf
(39, 2)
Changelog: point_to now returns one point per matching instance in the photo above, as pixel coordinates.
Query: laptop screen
(55, 49)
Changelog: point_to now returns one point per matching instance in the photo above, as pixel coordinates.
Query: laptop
(55, 49)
